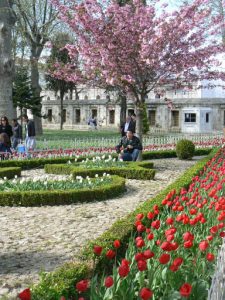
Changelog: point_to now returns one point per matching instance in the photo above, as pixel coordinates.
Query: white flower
(87, 177)
(5, 178)
(96, 175)
(114, 159)
(69, 162)
(75, 159)
(108, 175)
(102, 179)
(104, 174)
(15, 176)
(45, 183)
(103, 156)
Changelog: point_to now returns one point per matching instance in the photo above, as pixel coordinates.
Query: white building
(196, 110)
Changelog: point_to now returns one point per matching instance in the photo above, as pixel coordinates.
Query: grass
(50, 134)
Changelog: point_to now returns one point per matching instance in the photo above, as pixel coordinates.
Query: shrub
(133, 170)
(185, 149)
(10, 173)
(59, 197)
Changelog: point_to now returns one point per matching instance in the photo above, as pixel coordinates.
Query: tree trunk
(61, 110)
(7, 20)
(35, 55)
(139, 123)
(123, 108)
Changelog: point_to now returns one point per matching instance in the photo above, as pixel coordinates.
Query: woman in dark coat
(4, 146)
(6, 128)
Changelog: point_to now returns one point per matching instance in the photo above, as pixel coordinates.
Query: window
(98, 97)
(64, 116)
(112, 117)
(157, 96)
(151, 117)
(175, 118)
(77, 116)
(207, 118)
(190, 118)
(85, 97)
(94, 113)
(49, 115)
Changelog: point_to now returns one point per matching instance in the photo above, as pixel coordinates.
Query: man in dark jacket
(129, 147)
(129, 125)
(17, 133)
(30, 141)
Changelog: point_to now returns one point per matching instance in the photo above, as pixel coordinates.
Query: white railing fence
(217, 289)
(94, 142)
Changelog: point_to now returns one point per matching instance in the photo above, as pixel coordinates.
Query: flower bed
(171, 254)
(56, 284)
(63, 156)
(132, 170)
(60, 192)
(10, 172)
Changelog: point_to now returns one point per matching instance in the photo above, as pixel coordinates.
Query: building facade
(187, 110)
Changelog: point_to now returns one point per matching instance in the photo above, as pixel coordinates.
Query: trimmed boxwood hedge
(10, 173)
(59, 197)
(133, 170)
(40, 162)
(120, 230)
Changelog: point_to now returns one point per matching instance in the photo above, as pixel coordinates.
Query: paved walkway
(42, 238)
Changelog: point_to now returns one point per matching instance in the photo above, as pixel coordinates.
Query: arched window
(98, 97)
(85, 97)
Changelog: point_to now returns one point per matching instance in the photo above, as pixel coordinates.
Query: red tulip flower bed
(172, 253)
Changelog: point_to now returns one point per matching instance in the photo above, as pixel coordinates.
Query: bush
(10, 173)
(121, 230)
(185, 149)
(59, 197)
(133, 170)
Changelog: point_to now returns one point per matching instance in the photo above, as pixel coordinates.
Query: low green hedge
(59, 197)
(133, 170)
(120, 230)
(40, 162)
(10, 173)
(171, 153)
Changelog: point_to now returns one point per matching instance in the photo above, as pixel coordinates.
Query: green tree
(59, 55)
(23, 93)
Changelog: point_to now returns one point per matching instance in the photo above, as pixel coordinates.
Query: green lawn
(72, 134)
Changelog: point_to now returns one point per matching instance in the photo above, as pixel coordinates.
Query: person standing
(30, 140)
(6, 128)
(17, 133)
(127, 126)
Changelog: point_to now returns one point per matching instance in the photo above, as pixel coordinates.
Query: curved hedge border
(40, 162)
(10, 173)
(59, 197)
(121, 230)
(133, 170)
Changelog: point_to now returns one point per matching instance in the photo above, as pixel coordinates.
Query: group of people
(130, 145)
(11, 135)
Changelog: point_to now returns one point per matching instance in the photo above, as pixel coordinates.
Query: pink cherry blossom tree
(140, 48)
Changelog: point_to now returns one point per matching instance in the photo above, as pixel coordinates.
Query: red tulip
(82, 285)
(164, 258)
(109, 281)
(142, 265)
(110, 254)
(116, 244)
(145, 294)
(97, 250)
(210, 257)
(25, 294)
(185, 290)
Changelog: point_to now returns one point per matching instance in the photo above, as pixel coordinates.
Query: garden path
(42, 238)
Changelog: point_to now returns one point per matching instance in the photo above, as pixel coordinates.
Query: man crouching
(129, 147)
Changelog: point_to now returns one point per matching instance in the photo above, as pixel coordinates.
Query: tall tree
(140, 49)
(7, 20)
(23, 94)
(59, 55)
(37, 20)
